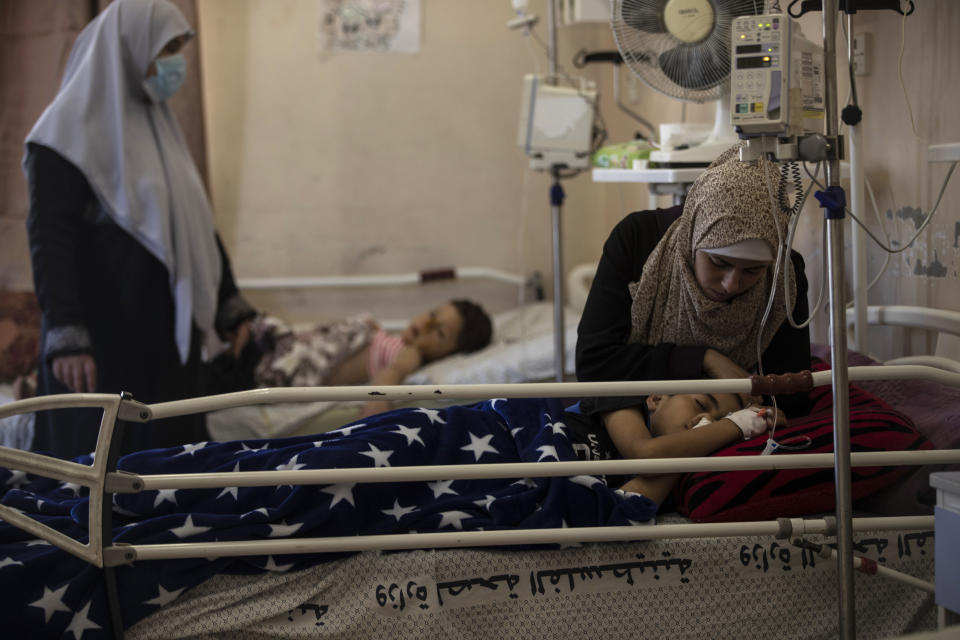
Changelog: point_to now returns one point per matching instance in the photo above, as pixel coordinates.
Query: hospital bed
(521, 350)
(607, 569)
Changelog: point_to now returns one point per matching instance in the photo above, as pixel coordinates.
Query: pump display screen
(749, 48)
(753, 62)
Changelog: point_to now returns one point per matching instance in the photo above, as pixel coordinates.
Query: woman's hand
(719, 366)
(76, 372)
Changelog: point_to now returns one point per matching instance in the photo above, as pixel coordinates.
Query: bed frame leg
(106, 519)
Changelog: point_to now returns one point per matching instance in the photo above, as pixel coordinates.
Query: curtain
(35, 42)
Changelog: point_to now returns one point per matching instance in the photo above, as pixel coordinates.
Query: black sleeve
(232, 308)
(603, 353)
(59, 196)
(789, 351)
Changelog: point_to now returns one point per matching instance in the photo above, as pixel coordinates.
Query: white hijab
(133, 154)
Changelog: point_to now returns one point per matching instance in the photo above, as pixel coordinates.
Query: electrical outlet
(861, 57)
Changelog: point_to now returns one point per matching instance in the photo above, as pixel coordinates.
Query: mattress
(738, 587)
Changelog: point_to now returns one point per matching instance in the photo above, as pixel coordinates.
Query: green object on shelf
(621, 155)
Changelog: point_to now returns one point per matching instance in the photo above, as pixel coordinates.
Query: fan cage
(694, 72)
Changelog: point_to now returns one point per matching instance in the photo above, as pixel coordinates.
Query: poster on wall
(391, 26)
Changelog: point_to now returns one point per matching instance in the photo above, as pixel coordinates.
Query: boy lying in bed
(664, 426)
(355, 350)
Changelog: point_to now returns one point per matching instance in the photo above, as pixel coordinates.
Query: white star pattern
(433, 414)
(348, 430)
(556, 427)
(412, 435)
(380, 458)
(494, 401)
(262, 510)
(244, 448)
(71, 486)
(283, 529)
(527, 482)
(485, 502)
(81, 622)
(634, 523)
(188, 529)
(515, 431)
(17, 478)
(397, 511)
(586, 481)
(547, 451)
(10, 562)
(165, 495)
(453, 519)
(192, 448)
(164, 597)
(231, 491)
(293, 465)
(340, 492)
(318, 443)
(38, 543)
(273, 566)
(118, 509)
(441, 487)
(51, 602)
(479, 446)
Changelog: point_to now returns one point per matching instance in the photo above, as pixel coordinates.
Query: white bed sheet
(521, 351)
(737, 588)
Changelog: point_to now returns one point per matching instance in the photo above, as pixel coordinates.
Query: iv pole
(834, 202)
(556, 202)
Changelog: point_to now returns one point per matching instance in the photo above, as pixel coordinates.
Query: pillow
(19, 334)
(767, 494)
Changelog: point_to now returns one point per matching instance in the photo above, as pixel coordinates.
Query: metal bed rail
(103, 479)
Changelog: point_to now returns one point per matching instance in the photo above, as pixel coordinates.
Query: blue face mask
(171, 72)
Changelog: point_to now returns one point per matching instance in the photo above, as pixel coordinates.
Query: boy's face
(669, 414)
(436, 332)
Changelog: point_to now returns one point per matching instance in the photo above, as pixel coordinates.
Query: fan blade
(693, 67)
(644, 15)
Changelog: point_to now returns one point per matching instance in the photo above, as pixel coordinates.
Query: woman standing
(127, 266)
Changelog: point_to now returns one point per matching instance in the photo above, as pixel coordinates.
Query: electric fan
(681, 48)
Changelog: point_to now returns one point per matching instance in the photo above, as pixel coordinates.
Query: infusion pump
(776, 78)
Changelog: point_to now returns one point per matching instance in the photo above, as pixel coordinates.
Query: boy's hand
(752, 421)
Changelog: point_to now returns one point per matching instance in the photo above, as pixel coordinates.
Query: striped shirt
(384, 347)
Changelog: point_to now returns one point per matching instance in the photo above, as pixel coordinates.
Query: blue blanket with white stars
(50, 593)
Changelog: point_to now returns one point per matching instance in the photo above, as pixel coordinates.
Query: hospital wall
(327, 163)
(331, 163)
